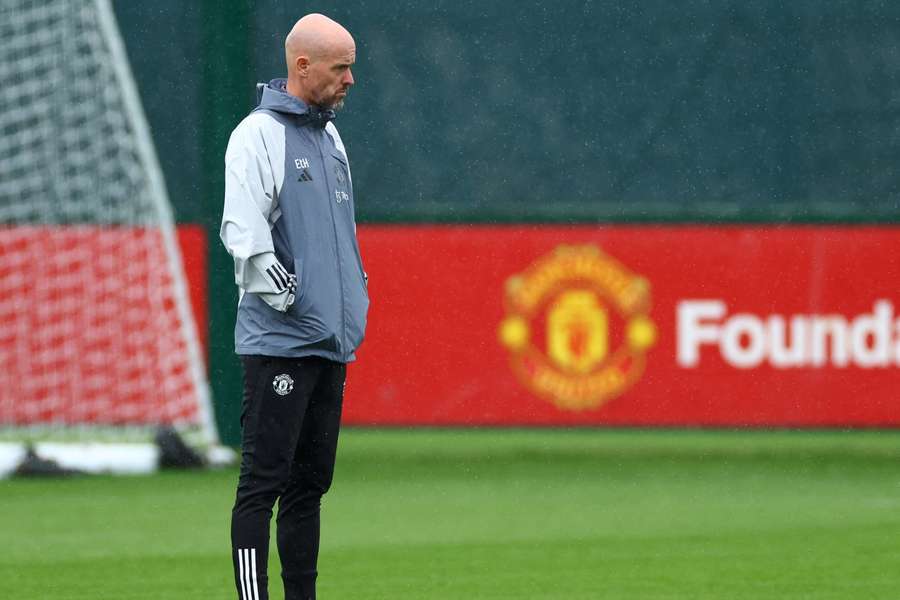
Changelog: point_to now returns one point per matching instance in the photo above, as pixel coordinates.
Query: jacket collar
(273, 96)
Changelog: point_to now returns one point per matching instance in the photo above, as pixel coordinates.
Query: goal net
(97, 336)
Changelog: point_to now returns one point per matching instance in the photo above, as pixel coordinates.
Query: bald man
(289, 224)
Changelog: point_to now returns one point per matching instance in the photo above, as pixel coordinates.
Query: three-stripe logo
(247, 573)
(280, 278)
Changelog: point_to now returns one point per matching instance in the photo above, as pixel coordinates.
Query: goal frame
(129, 448)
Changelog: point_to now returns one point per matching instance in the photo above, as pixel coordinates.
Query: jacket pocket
(301, 300)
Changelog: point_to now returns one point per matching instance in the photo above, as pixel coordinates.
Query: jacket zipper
(337, 248)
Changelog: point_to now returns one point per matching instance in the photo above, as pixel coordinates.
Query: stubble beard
(336, 104)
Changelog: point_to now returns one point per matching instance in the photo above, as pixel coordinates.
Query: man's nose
(348, 80)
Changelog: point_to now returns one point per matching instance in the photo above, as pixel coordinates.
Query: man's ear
(302, 65)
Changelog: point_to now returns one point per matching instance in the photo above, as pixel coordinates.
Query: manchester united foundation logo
(577, 327)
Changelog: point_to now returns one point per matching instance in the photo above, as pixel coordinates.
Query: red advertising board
(629, 325)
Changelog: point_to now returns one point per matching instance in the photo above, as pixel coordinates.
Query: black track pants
(289, 421)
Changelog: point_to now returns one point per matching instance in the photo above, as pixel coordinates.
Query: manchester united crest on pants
(283, 384)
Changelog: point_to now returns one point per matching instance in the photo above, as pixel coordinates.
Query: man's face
(329, 77)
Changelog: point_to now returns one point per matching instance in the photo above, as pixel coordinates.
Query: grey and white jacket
(289, 211)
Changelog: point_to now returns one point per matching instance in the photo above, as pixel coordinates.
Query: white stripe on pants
(247, 573)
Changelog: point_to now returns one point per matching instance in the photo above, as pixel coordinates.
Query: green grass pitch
(455, 514)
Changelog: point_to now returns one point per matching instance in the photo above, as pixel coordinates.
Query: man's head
(319, 55)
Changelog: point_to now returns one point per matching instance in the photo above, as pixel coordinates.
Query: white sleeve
(254, 173)
(269, 280)
(267, 275)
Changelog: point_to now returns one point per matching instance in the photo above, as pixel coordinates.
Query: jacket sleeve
(251, 207)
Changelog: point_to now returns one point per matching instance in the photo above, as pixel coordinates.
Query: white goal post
(98, 340)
